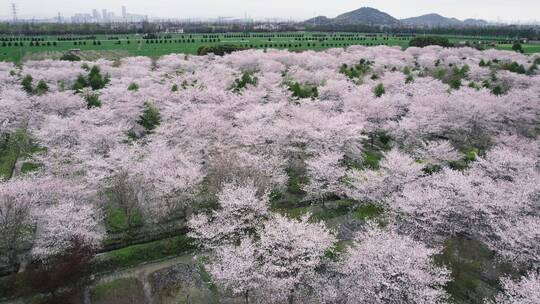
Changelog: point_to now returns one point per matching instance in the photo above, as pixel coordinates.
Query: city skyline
(492, 10)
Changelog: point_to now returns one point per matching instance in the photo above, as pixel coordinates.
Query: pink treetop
(325, 175)
(241, 213)
(525, 291)
(396, 170)
(60, 224)
(382, 267)
(290, 252)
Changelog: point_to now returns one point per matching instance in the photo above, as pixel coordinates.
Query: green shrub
(95, 79)
(430, 40)
(92, 101)
(246, 79)
(26, 84)
(133, 87)
(219, 50)
(497, 90)
(409, 79)
(517, 47)
(150, 117)
(514, 67)
(302, 91)
(80, 83)
(70, 57)
(41, 87)
(357, 71)
(455, 83)
(379, 90)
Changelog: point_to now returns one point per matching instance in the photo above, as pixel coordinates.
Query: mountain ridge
(372, 16)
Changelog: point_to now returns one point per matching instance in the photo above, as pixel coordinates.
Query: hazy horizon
(492, 10)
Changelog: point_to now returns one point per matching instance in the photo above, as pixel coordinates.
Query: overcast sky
(504, 10)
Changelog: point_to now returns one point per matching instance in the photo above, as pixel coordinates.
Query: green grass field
(117, 46)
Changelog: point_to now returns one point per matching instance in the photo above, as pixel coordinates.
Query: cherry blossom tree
(325, 175)
(384, 267)
(16, 221)
(524, 291)
(241, 213)
(235, 269)
(59, 225)
(291, 251)
(168, 179)
(396, 170)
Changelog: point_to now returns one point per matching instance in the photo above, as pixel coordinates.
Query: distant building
(104, 14)
(124, 12)
(82, 18)
(96, 15)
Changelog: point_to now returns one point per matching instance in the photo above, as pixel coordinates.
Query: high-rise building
(104, 14)
(95, 14)
(124, 12)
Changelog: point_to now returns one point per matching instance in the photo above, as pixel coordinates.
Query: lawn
(119, 291)
(136, 254)
(134, 45)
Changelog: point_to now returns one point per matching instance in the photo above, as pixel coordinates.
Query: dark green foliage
(497, 90)
(133, 87)
(409, 79)
(514, 67)
(357, 71)
(475, 270)
(379, 90)
(430, 40)
(246, 79)
(302, 91)
(452, 77)
(70, 57)
(473, 85)
(80, 83)
(42, 87)
(150, 117)
(95, 79)
(455, 83)
(517, 47)
(219, 50)
(92, 101)
(174, 88)
(26, 84)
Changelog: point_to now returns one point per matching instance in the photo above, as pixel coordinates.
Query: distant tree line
(30, 29)
(532, 33)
